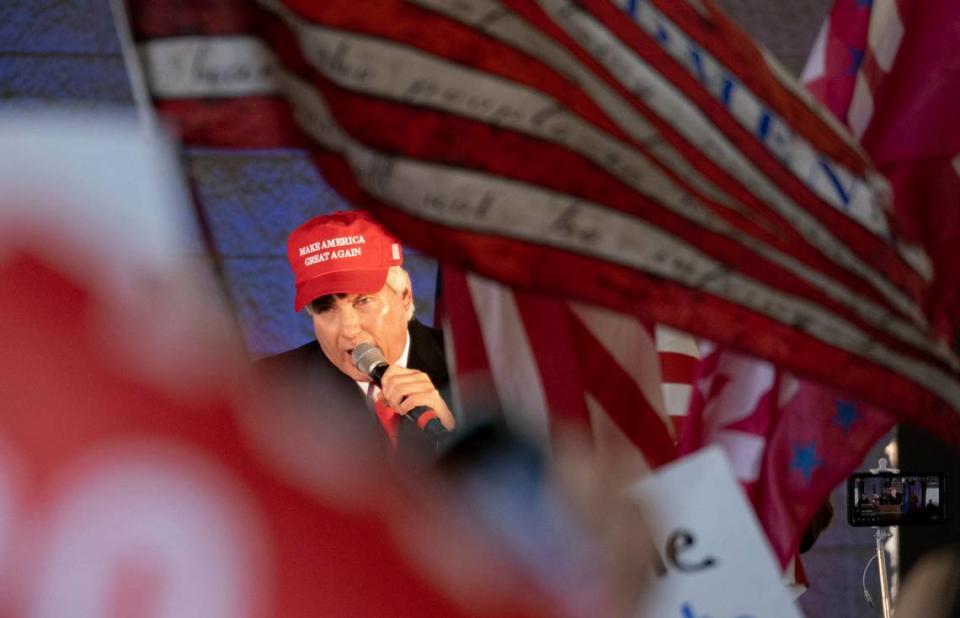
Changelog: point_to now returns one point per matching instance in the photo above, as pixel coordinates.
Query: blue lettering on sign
(686, 611)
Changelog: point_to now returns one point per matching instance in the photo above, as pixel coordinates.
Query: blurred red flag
(140, 475)
(145, 501)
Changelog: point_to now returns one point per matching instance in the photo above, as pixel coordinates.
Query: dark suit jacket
(326, 391)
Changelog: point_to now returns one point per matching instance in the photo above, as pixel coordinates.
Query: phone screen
(895, 499)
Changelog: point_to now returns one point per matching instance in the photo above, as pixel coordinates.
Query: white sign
(714, 561)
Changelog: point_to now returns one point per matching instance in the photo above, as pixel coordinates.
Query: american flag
(139, 476)
(643, 157)
(791, 440)
(553, 365)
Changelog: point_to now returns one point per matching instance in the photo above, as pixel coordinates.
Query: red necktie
(389, 420)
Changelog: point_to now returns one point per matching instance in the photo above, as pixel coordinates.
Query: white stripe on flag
(861, 106)
(676, 398)
(744, 450)
(514, 368)
(885, 33)
(203, 66)
(673, 340)
(749, 381)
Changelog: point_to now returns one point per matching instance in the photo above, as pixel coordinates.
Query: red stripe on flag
(870, 70)
(169, 18)
(470, 365)
(242, 122)
(546, 321)
(678, 368)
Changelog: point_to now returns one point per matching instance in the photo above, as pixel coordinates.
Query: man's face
(353, 319)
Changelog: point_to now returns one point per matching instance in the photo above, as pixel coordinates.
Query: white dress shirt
(371, 390)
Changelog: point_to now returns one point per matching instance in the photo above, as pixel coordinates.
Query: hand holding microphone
(409, 391)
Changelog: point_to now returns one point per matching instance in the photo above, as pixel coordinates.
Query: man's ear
(406, 301)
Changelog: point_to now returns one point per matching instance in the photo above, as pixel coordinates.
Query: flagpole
(143, 102)
(881, 535)
(138, 85)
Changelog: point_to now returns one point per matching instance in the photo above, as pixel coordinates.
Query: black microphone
(369, 360)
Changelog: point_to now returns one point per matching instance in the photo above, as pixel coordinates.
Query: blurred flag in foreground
(647, 158)
(137, 475)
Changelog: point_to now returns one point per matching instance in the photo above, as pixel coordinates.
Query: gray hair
(397, 278)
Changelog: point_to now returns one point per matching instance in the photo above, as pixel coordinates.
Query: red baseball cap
(345, 252)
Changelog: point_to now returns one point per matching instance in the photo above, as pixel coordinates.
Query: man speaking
(350, 281)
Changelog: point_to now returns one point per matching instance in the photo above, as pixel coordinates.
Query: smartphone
(888, 499)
